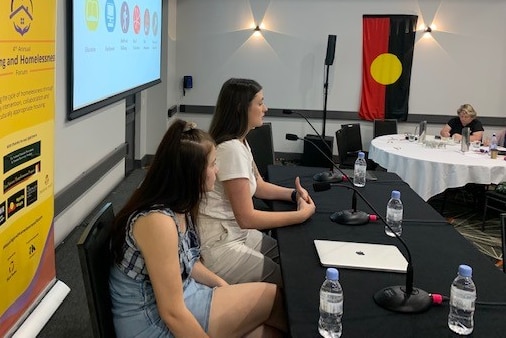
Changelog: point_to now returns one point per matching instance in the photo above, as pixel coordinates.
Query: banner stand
(41, 314)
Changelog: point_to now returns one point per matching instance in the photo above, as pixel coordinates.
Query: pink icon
(137, 20)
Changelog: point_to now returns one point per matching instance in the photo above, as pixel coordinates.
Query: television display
(114, 51)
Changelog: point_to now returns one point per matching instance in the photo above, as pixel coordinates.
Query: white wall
(462, 61)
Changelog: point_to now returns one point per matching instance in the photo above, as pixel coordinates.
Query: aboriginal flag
(388, 43)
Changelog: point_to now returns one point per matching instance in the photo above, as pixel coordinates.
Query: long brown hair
(176, 178)
(230, 118)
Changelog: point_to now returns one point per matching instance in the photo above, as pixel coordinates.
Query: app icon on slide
(146, 22)
(124, 17)
(92, 14)
(137, 20)
(110, 15)
(155, 23)
(21, 15)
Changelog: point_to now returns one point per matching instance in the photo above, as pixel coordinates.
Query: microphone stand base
(328, 176)
(350, 217)
(395, 298)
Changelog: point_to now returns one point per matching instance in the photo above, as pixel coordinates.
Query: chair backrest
(262, 147)
(345, 161)
(503, 239)
(384, 127)
(96, 259)
(349, 143)
(353, 137)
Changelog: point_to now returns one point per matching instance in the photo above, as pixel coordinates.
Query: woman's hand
(304, 201)
(308, 207)
(301, 192)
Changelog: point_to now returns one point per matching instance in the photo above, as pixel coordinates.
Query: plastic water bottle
(394, 214)
(462, 302)
(493, 142)
(331, 306)
(360, 170)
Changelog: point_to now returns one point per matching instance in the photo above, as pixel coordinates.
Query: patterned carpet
(465, 211)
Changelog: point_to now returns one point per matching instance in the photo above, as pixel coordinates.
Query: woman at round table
(466, 118)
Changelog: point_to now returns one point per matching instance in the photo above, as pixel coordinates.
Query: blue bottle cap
(465, 270)
(396, 194)
(332, 274)
(361, 154)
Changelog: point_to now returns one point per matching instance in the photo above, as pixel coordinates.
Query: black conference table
(436, 247)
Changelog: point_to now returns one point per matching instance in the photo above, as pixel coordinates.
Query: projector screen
(114, 51)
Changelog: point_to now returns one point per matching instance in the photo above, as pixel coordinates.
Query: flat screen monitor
(114, 50)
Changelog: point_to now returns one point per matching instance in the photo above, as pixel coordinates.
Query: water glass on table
(475, 145)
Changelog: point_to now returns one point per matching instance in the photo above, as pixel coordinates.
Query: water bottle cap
(373, 218)
(361, 154)
(332, 274)
(396, 194)
(465, 270)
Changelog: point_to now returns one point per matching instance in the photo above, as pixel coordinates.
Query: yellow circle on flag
(386, 68)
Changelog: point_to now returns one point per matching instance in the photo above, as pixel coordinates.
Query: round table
(430, 171)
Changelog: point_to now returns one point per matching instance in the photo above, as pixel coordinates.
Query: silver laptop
(362, 256)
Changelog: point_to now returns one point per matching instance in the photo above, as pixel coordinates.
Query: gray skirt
(238, 255)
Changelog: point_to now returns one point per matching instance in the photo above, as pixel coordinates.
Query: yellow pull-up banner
(27, 77)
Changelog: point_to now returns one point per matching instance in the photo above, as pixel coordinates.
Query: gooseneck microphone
(346, 217)
(325, 176)
(399, 298)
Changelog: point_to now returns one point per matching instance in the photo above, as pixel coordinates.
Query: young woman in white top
(232, 245)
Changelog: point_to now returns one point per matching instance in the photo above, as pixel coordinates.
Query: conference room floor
(466, 216)
(72, 317)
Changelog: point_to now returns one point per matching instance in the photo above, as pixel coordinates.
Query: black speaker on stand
(313, 157)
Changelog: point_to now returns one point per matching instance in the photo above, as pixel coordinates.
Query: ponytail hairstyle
(175, 179)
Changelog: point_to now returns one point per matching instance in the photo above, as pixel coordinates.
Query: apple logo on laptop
(360, 253)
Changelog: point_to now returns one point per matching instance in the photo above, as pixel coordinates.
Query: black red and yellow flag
(388, 44)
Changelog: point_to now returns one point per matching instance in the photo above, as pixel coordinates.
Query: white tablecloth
(431, 171)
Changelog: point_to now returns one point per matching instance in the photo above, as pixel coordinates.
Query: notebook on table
(362, 256)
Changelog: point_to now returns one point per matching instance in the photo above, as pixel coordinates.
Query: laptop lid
(362, 256)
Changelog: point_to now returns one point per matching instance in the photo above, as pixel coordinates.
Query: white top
(234, 160)
(431, 171)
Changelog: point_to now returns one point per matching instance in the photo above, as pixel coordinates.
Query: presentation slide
(116, 46)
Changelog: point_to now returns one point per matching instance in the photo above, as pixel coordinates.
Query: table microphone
(325, 176)
(346, 217)
(399, 298)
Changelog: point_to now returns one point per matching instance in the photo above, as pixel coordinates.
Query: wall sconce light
(257, 32)
(427, 29)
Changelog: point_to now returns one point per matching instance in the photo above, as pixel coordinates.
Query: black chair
(384, 127)
(503, 239)
(472, 193)
(349, 144)
(96, 259)
(262, 147)
(495, 201)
